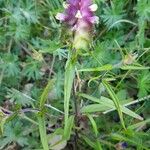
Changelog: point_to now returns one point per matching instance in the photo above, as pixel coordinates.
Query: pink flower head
(79, 16)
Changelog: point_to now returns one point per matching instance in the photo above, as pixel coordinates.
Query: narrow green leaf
(69, 76)
(98, 145)
(68, 127)
(93, 124)
(94, 99)
(122, 21)
(130, 113)
(41, 118)
(46, 92)
(137, 125)
(94, 108)
(42, 130)
(88, 141)
(107, 103)
(103, 68)
(28, 119)
(116, 102)
(129, 67)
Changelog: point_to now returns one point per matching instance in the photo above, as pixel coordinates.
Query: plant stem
(42, 130)
(75, 100)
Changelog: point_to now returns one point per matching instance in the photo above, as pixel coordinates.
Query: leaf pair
(104, 104)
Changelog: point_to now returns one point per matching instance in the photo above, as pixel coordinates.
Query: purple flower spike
(79, 16)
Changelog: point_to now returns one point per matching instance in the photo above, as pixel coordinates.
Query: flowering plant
(79, 17)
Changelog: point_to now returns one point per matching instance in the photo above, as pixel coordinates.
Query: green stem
(42, 130)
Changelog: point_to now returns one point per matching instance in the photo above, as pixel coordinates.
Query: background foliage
(34, 48)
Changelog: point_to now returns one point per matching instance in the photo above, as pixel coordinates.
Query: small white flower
(93, 7)
(60, 16)
(94, 20)
(65, 5)
(78, 14)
